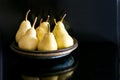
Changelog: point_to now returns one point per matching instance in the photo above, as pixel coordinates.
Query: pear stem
(48, 28)
(34, 22)
(27, 15)
(48, 18)
(63, 17)
(41, 21)
(55, 21)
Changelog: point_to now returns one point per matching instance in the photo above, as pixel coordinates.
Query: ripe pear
(44, 24)
(24, 26)
(48, 42)
(42, 28)
(62, 37)
(29, 41)
(40, 33)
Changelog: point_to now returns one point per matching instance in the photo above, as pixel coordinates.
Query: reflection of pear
(24, 26)
(65, 76)
(50, 78)
(63, 39)
(29, 41)
(48, 42)
(30, 78)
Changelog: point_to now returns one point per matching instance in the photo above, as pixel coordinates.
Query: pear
(45, 24)
(24, 26)
(48, 42)
(62, 37)
(29, 41)
(42, 29)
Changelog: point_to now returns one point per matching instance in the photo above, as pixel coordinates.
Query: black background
(92, 22)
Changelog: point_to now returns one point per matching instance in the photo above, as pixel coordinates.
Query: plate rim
(45, 54)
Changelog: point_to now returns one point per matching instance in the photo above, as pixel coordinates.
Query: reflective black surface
(90, 61)
(42, 68)
(27, 68)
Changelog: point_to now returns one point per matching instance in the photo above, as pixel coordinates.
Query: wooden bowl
(44, 54)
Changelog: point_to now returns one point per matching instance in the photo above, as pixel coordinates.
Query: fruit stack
(41, 38)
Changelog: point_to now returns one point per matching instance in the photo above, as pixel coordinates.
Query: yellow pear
(62, 37)
(45, 24)
(29, 41)
(48, 42)
(24, 26)
(42, 29)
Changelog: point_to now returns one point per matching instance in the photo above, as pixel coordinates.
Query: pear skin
(40, 33)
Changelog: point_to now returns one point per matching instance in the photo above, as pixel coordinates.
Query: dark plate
(44, 54)
(52, 68)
